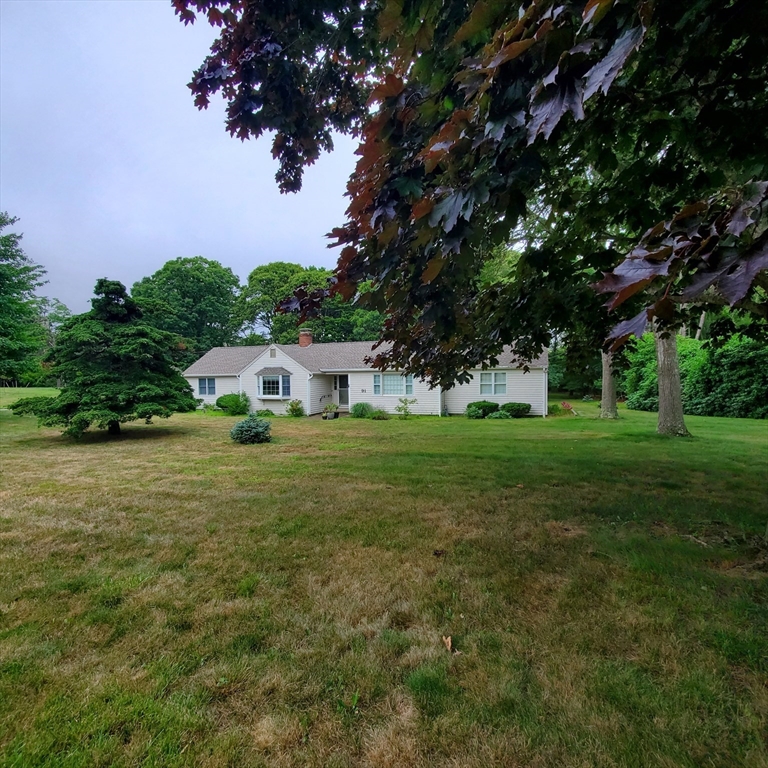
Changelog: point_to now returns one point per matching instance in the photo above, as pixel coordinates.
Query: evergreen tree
(115, 367)
(19, 332)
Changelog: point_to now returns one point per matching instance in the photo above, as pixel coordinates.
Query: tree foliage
(731, 380)
(194, 298)
(612, 114)
(19, 330)
(335, 320)
(114, 367)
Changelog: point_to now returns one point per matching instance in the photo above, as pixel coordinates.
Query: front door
(344, 391)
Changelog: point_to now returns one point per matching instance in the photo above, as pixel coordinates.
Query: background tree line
(197, 299)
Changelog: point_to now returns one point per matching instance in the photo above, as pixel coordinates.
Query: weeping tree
(114, 367)
(619, 113)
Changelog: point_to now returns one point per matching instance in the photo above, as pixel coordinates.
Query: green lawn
(10, 395)
(170, 598)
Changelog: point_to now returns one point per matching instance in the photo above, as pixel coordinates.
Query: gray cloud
(111, 168)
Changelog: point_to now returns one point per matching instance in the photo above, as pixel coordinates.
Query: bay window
(275, 385)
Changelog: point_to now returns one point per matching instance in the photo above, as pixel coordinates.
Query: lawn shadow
(101, 436)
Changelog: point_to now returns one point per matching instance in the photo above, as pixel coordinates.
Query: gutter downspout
(546, 391)
(309, 394)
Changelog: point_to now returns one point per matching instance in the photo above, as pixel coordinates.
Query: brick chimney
(305, 337)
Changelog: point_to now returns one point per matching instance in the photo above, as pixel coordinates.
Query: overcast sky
(111, 169)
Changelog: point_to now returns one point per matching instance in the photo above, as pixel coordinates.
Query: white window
(493, 383)
(206, 386)
(275, 386)
(393, 384)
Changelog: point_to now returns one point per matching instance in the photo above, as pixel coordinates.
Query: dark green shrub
(234, 404)
(264, 412)
(486, 406)
(251, 430)
(474, 413)
(379, 415)
(295, 408)
(728, 381)
(516, 410)
(361, 411)
(499, 415)
(554, 410)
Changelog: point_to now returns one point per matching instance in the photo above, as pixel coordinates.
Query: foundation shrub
(485, 406)
(516, 410)
(234, 404)
(361, 411)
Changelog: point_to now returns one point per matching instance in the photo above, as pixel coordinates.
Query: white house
(336, 372)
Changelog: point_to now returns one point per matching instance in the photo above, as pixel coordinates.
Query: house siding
(361, 391)
(225, 385)
(321, 392)
(522, 387)
(299, 377)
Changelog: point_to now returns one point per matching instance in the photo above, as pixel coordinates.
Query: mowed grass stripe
(173, 598)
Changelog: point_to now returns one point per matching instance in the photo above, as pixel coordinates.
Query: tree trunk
(608, 407)
(113, 428)
(671, 421)
(701, 325)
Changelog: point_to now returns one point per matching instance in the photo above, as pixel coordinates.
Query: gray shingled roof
(224, 361)
(273, 372)
(317, 358)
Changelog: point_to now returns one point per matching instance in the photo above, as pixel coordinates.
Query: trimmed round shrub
(379, 415)
(251, 430)
(361, 411)
(264, 412)
(295, 408)
(486, 406)
(498, 415)
(235, 405)
(474, 413)
(516, 410)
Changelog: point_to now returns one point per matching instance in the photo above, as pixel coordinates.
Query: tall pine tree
(115, 368)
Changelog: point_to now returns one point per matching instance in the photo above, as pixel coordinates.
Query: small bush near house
(264, 412)
(498, 415)
(379, 415)
(295, 408)
(404, 409)
(251, 430)
(474, 413)
(234, 404)
(516, 410)
(486, 406)
(361, 411)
